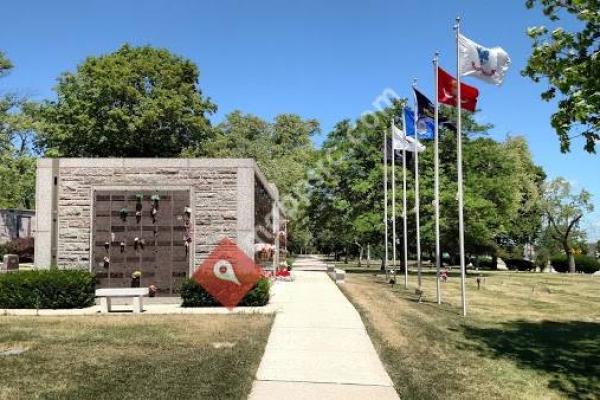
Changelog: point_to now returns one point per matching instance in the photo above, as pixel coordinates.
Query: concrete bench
(136, 294)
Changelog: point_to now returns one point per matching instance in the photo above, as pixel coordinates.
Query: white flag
(402, 142)
(486, 64)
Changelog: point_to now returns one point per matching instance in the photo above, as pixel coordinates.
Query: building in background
(15, 224)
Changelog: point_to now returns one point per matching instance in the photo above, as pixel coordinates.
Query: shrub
(585, 264)
(194, 295)
(520, 264)
(47, 289)
(486, 263)
(3, 250)
(22, 247)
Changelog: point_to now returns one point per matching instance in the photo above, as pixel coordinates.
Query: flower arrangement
(284, 265)
(136, 278)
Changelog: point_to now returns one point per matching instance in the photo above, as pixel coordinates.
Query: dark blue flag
(425, 126)
(426, 110)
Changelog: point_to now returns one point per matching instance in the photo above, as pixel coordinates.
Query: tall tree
(17, 165)
(564, 211)
(283, 150)
(501, 187)
(570, 61)
(530, 180)
(135, 102)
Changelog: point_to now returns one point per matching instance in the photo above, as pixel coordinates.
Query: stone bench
(136, 294)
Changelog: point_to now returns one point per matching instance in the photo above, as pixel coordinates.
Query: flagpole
(438, 254)
(404, 211)
(461, 223)
(385, 200)
(417, 200)
(393, 198)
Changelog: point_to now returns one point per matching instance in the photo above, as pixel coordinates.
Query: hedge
(22, 247)
(194, 295)
(520, 264)
(585, 264)
(51, 289)
(511, 263)
(486, 264)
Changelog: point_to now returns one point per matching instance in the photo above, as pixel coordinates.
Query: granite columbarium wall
(222, 201)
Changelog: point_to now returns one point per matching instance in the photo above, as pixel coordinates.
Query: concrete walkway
(319, 348)
(309, 263)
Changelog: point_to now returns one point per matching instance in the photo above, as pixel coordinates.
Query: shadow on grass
(568, 351)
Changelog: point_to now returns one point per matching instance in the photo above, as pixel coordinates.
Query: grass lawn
(527, 336)
(132, 357)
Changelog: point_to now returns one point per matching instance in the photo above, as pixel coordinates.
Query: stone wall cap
(44, 162)
(144, 162)
(17, 210)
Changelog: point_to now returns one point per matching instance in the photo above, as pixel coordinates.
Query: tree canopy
(135, 102)
(502, 189)
(570, 61)
(284, 151)
(17, 165)
(564, 210)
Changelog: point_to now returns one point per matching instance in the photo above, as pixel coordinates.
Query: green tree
(571, 64)
(7, 102)
(17, 165)
(564, 211)
(529, 180)
(502, 185)
(283, 150)
(135, 102)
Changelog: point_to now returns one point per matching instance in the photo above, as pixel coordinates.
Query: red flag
(447, 91)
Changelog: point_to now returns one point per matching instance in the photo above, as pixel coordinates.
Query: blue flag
(425, 125)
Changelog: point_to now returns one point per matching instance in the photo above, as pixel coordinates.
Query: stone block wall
(221, 201)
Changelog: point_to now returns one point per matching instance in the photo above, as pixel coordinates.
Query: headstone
(548, 268)
(10, 263)
(501, 265)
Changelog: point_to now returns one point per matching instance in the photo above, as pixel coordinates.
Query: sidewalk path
(319, 348)
(309, 263)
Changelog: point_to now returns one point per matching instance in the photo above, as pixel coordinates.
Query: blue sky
(321, 59)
